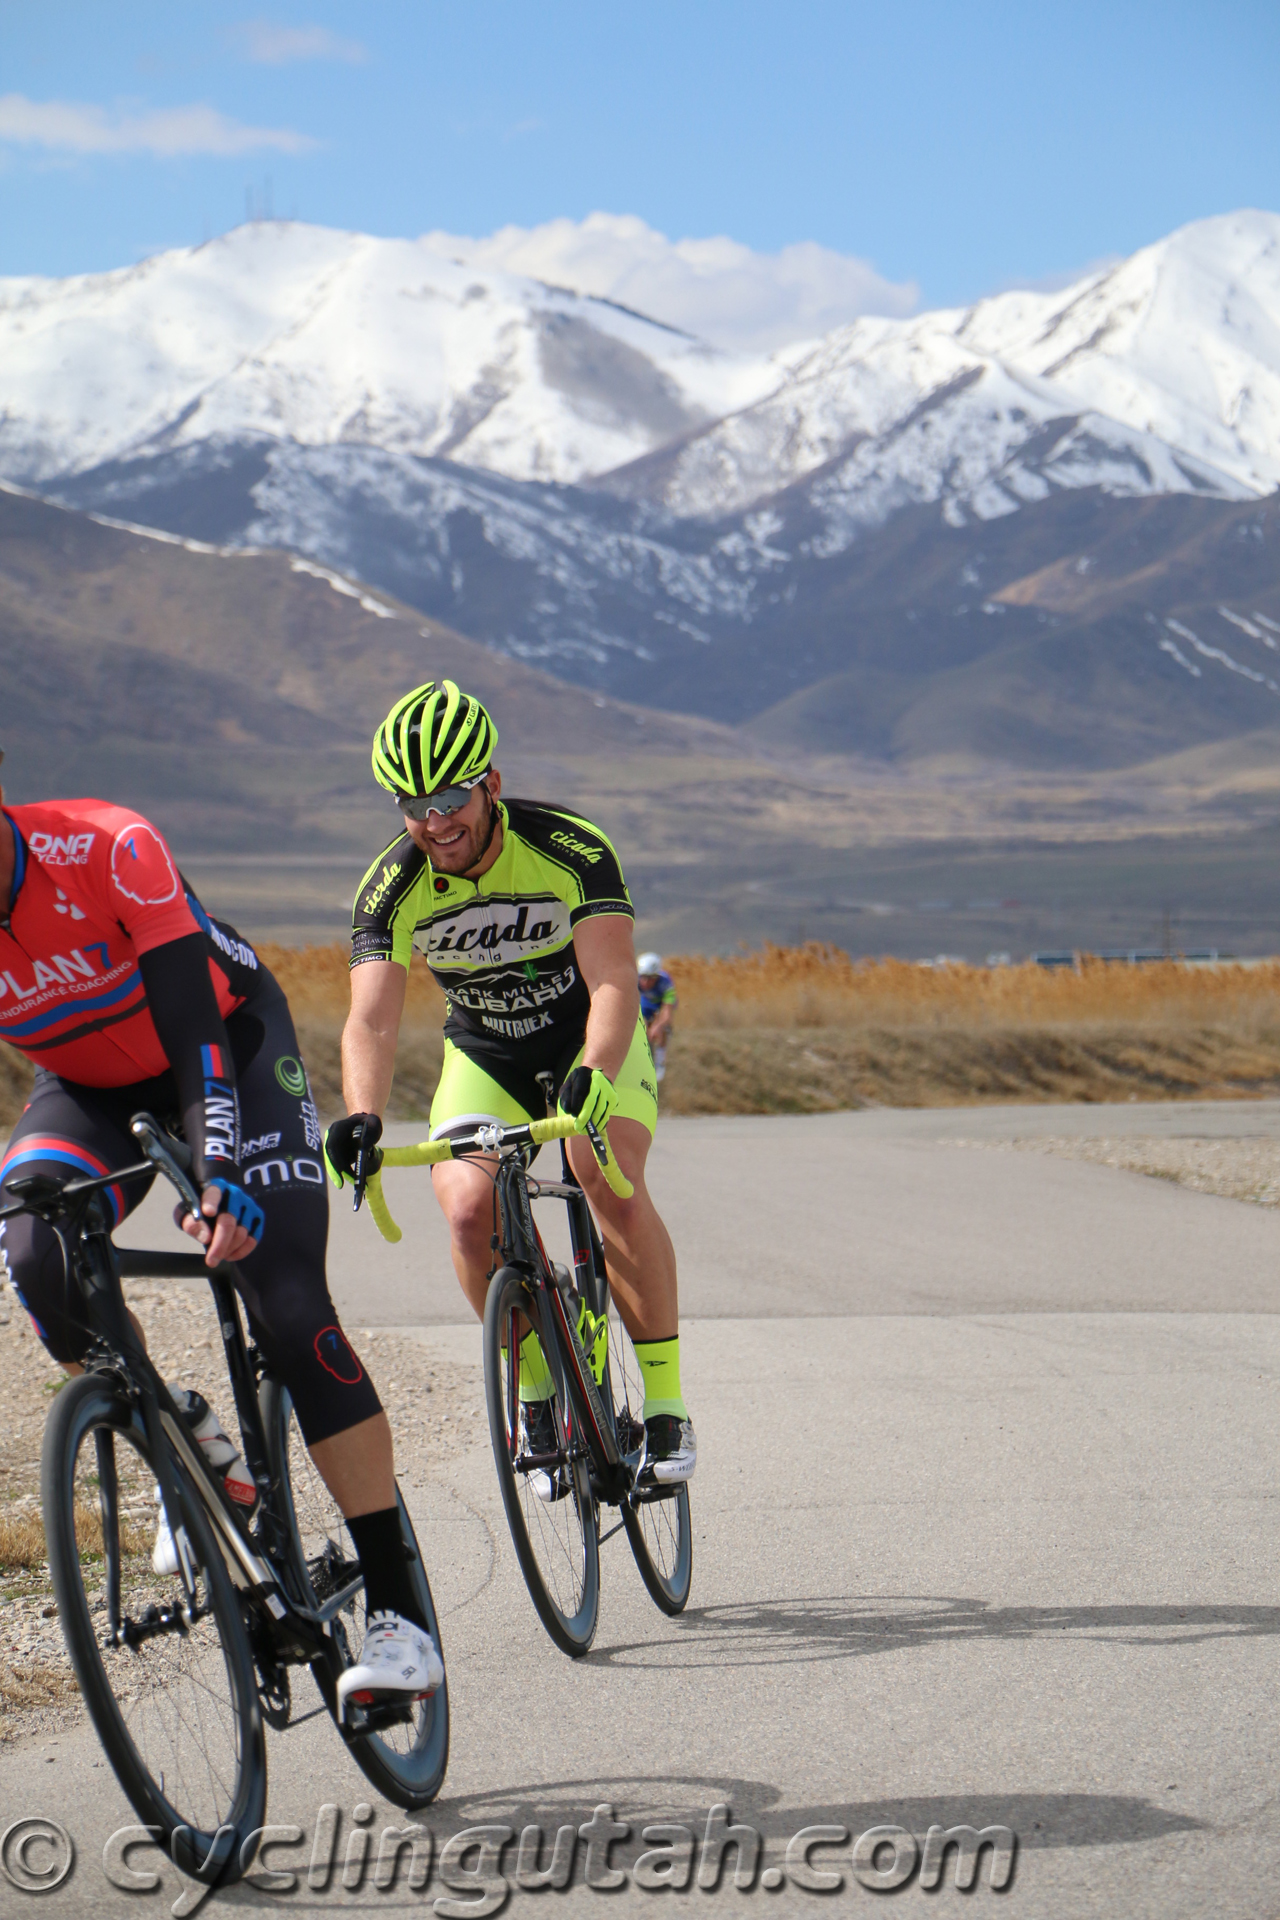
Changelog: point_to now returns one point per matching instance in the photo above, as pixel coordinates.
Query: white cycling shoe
(397, 1658)
(672, 1450)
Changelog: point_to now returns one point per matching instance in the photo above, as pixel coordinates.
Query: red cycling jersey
(95, 887)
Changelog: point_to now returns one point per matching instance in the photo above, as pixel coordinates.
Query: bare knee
(467, 1205)
(616, 1215)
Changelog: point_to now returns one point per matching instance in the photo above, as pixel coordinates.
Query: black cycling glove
(343, 1142)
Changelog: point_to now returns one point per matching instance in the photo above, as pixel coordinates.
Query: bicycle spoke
(555, 1537)
(660, 1531)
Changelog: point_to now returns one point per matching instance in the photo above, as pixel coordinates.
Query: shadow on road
(1038, 1819)
(752, 1633)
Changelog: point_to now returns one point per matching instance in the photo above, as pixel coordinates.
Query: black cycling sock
(385, 1566)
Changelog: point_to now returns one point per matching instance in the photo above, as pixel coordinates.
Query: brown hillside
(239, 691)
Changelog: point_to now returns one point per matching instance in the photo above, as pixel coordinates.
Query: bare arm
(607, 957)
(369, 1038)
(660, 1025)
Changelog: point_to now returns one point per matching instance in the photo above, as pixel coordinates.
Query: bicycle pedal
(366, 1713)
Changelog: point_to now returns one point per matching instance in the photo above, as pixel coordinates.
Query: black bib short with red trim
(69, 1129)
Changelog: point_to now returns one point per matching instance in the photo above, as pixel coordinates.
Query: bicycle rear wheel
(405, 1761)
(657, 1519)
(176, 1703)
(556, 1540)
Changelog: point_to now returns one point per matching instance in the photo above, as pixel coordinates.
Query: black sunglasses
(447, 800)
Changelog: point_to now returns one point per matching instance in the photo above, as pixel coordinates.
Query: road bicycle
(183, 1672)
(553, 1496)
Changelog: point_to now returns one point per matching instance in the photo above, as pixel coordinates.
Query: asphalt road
(986, 1532)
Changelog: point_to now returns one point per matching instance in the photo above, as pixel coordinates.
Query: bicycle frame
(522, 1247)
(96, 1266)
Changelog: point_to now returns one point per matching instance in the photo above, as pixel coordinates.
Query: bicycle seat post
(547, 1081)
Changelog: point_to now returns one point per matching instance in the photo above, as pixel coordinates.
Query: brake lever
(360, 1179)
(159, 1153)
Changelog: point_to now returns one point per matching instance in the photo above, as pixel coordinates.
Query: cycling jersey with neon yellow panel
(501, 947)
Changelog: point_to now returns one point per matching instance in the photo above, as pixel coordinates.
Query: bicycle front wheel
(174, 1699)
(405, 1761)
(657, 1519)
(550, 1508)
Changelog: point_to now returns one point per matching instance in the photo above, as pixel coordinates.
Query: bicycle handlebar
(163, 1153)
(489, 1139)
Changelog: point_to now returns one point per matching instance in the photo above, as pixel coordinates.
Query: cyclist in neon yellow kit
(525, 920)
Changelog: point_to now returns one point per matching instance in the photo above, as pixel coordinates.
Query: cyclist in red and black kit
(125, 995)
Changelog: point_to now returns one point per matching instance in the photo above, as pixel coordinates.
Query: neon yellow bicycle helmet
(437, 736)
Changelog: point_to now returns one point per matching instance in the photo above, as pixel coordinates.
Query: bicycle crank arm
(546, 1462)
(321, 1616)
(154, 1622)
(365, 1720)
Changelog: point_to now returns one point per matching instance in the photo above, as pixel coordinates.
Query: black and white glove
(344, 1142)
(589, 1097)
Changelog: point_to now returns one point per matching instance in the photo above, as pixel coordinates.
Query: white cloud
(272, 46)
(717, 288)
(69, 126)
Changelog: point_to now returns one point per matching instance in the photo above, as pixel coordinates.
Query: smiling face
(454, 842)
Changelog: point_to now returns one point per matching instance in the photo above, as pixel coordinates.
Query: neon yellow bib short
(501, 947)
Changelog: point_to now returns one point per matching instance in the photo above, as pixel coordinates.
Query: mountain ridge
(733, 557)
(322, 337)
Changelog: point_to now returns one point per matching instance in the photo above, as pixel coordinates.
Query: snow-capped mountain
(306, 334)
(1159, 376)
(587, 489)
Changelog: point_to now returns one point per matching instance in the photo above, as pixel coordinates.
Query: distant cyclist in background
(525, 921)
(657, 1006)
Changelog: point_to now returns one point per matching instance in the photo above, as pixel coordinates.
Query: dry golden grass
(316, 981)
(807, 1029)
(820, 986)
(39, 1686)
(16, 1077)
(22, 1541)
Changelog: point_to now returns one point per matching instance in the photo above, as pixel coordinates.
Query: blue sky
(956, 147)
